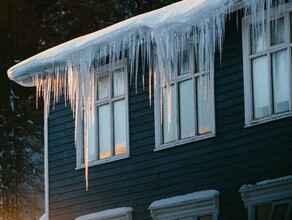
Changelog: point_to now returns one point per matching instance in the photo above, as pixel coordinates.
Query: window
(185, 103)
(203, 205)
(269, 200)
(267, 68)
(107, 123)
(124, 213)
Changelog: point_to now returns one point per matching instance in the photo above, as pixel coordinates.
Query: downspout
(46, 155)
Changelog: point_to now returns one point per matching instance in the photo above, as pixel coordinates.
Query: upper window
(202, 205)
(267, 68)
(184, 103)
(269, 200)
(107, 123)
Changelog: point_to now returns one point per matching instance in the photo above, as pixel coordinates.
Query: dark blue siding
(236, 156)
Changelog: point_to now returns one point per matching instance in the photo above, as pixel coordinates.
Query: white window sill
(268, 119)
(184, 141)
(103, 161)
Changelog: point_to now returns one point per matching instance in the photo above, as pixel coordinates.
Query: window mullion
(177, 110)
(111, 114)
(195, 104)
(270, 87)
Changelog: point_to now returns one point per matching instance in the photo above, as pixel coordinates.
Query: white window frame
(247, 57)
(273, 191)
(102, 71)
(194, 205)
(159, 145)
(123, 213)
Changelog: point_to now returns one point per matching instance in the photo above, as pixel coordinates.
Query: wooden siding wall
(236, 156)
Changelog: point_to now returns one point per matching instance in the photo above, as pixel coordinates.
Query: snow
(110, 213)
(196, 196)
(266, 183)
(68, 69)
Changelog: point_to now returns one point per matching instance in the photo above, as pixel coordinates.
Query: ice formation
(158, 36)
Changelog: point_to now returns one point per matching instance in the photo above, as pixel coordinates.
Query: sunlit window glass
(204, 115)
(118, 83)
(260, 81)
(120, 127)
(103, 87)
(104, 140)
(186, 109)
(92, 136)
(169, 110)
(280, 81)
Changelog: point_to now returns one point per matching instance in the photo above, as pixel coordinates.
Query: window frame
(274, 192)
(247, 22)
(107, 70)
(197, 204)
(191, 75)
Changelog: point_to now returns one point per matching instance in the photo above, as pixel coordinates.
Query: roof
(179, 17)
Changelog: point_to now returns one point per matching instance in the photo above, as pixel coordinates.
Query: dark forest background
(28, 27)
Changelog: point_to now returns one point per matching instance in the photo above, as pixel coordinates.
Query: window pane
(280, 212)
(118, 83)
(104, 131)
(277, 31)
(186, 109)
(204, 107)
(92, 137)
(280, 81)
(260, 80)
(257, 39)
(103, 85)
(120, 127)
(169, 128)
(186, 218)
(183, 62)
(262, 212)
(290, 27)
(206, 217)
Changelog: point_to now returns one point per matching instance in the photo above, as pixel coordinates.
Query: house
(180, 113)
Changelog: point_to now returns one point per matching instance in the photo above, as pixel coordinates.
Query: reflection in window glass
(183, 62)
(104, 132)
(186, 109)
(277, 31)
(280, 81)
(186, 218)
(260, 80)
(169, 128)
(280, 212)
(120, 127)
(257, 39)
(262, 212)
(204, 108)
(92, 137)
(103, 87)
(206, 217)
(118, 83)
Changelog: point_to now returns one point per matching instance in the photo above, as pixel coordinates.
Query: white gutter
(46, 158)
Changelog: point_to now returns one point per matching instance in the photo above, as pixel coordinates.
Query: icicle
(159, 46)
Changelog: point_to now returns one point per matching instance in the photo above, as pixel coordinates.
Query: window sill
(268, 119)
(103, 161)
(184, 141)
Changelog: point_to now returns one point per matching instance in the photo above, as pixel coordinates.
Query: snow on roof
(192, 197)
(266, 183)
(177, 16)
(107, 214)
